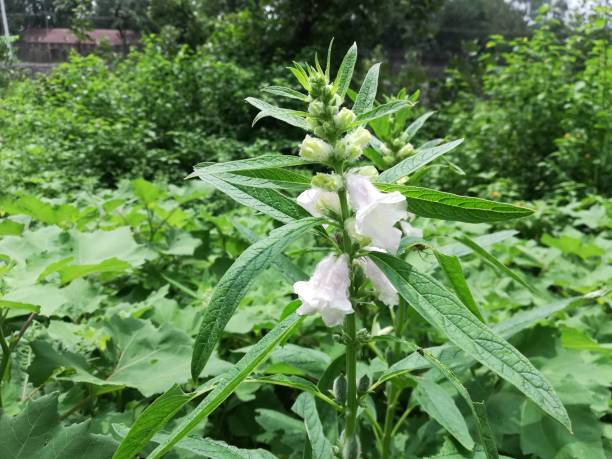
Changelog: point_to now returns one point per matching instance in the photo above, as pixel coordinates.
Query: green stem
(392, 391)
(350, 428)
(6, 352)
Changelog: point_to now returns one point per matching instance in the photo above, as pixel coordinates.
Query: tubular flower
(315, 149)
(327, 290)
(376, 212)
(319, 202)
(386, 292)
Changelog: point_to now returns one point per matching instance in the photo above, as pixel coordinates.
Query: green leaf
(422, 157)
(413, 128)
(10, 228)
(280, 179)
(298, 383)
(487, 437)
(229, 382)
(486, 240)
(367, 93)
(235, 283)
(286, 92)
(203, 447)
(292, 117)
(306, 407)
(382, 110)
(261, 162)
(345, 72)
(151, 420)
(498, 265)
(444, 311)
(436, 402)
(37, 432)
(452, 268)
(447, 206)
(6, 304)
(264, 200)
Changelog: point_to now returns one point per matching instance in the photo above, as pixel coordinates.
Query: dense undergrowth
(105, 275)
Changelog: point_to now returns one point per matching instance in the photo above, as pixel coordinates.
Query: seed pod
(351, 448)
(340, 389)
(363, 385)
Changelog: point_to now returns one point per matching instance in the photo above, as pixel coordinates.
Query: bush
(541, 116)
(153, 114)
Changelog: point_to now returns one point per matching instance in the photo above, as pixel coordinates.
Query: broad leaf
(422, 157)
(229, 382)
(444, 311)
(306, 407)
(37, 432)
(292, 117)
(367, 93)
(235, 283)
(447, 206)
(382, 110)
(452, 269)
(436, 402)
(345, 72)
(498, 265)
(413, 128)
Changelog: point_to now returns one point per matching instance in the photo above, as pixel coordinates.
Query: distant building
(54, 45)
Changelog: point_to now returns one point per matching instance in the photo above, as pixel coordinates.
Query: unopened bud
(406, 151)
(315, 149)
(316, 108)
(351, 229)
(344, 119)
(367, 171)
(329, 182)
(340, 389)
(354, 143)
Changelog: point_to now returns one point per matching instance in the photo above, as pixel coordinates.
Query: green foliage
(540, 114)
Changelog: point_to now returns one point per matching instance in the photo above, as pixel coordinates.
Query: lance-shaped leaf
(286, 92)
(151, 420)
(454, 357)
(292, 117)
(229, 382)
(236, 281)
(498, 265)
(306, 407)
(436, 402)
(345, 72)
(273, 178)
(207, 447)
(296, 382)
(447, 206)
(267, 201)
(445, 312)
(486, 240)
(417, 124)
(452, 269)
(367, 93)
(249, 164)
(422, 157)
(382, 110)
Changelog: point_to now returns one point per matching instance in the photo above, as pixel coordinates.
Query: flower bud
(351, 228)
(344, 119)
(352, 144)
(315, 149)
(340, 389)
(316, 108)
(366, 171)
(406, 151)
(328, 182)
(363, 385)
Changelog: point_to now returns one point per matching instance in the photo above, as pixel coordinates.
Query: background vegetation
(107, 256)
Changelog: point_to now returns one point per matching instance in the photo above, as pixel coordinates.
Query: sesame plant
(358, 213)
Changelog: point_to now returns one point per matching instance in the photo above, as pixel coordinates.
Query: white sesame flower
(386, 292)
(319, 202)
(411, 231)
(376, 212)
(315, 149)
(327, 290)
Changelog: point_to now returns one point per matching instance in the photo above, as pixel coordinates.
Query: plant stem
(5, 359)
(350, 428)
(393, 393)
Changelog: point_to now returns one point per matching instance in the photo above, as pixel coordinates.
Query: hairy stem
(350, 428)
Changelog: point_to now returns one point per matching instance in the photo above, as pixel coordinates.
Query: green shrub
(541, 116)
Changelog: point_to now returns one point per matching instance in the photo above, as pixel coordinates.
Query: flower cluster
(367, 217)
